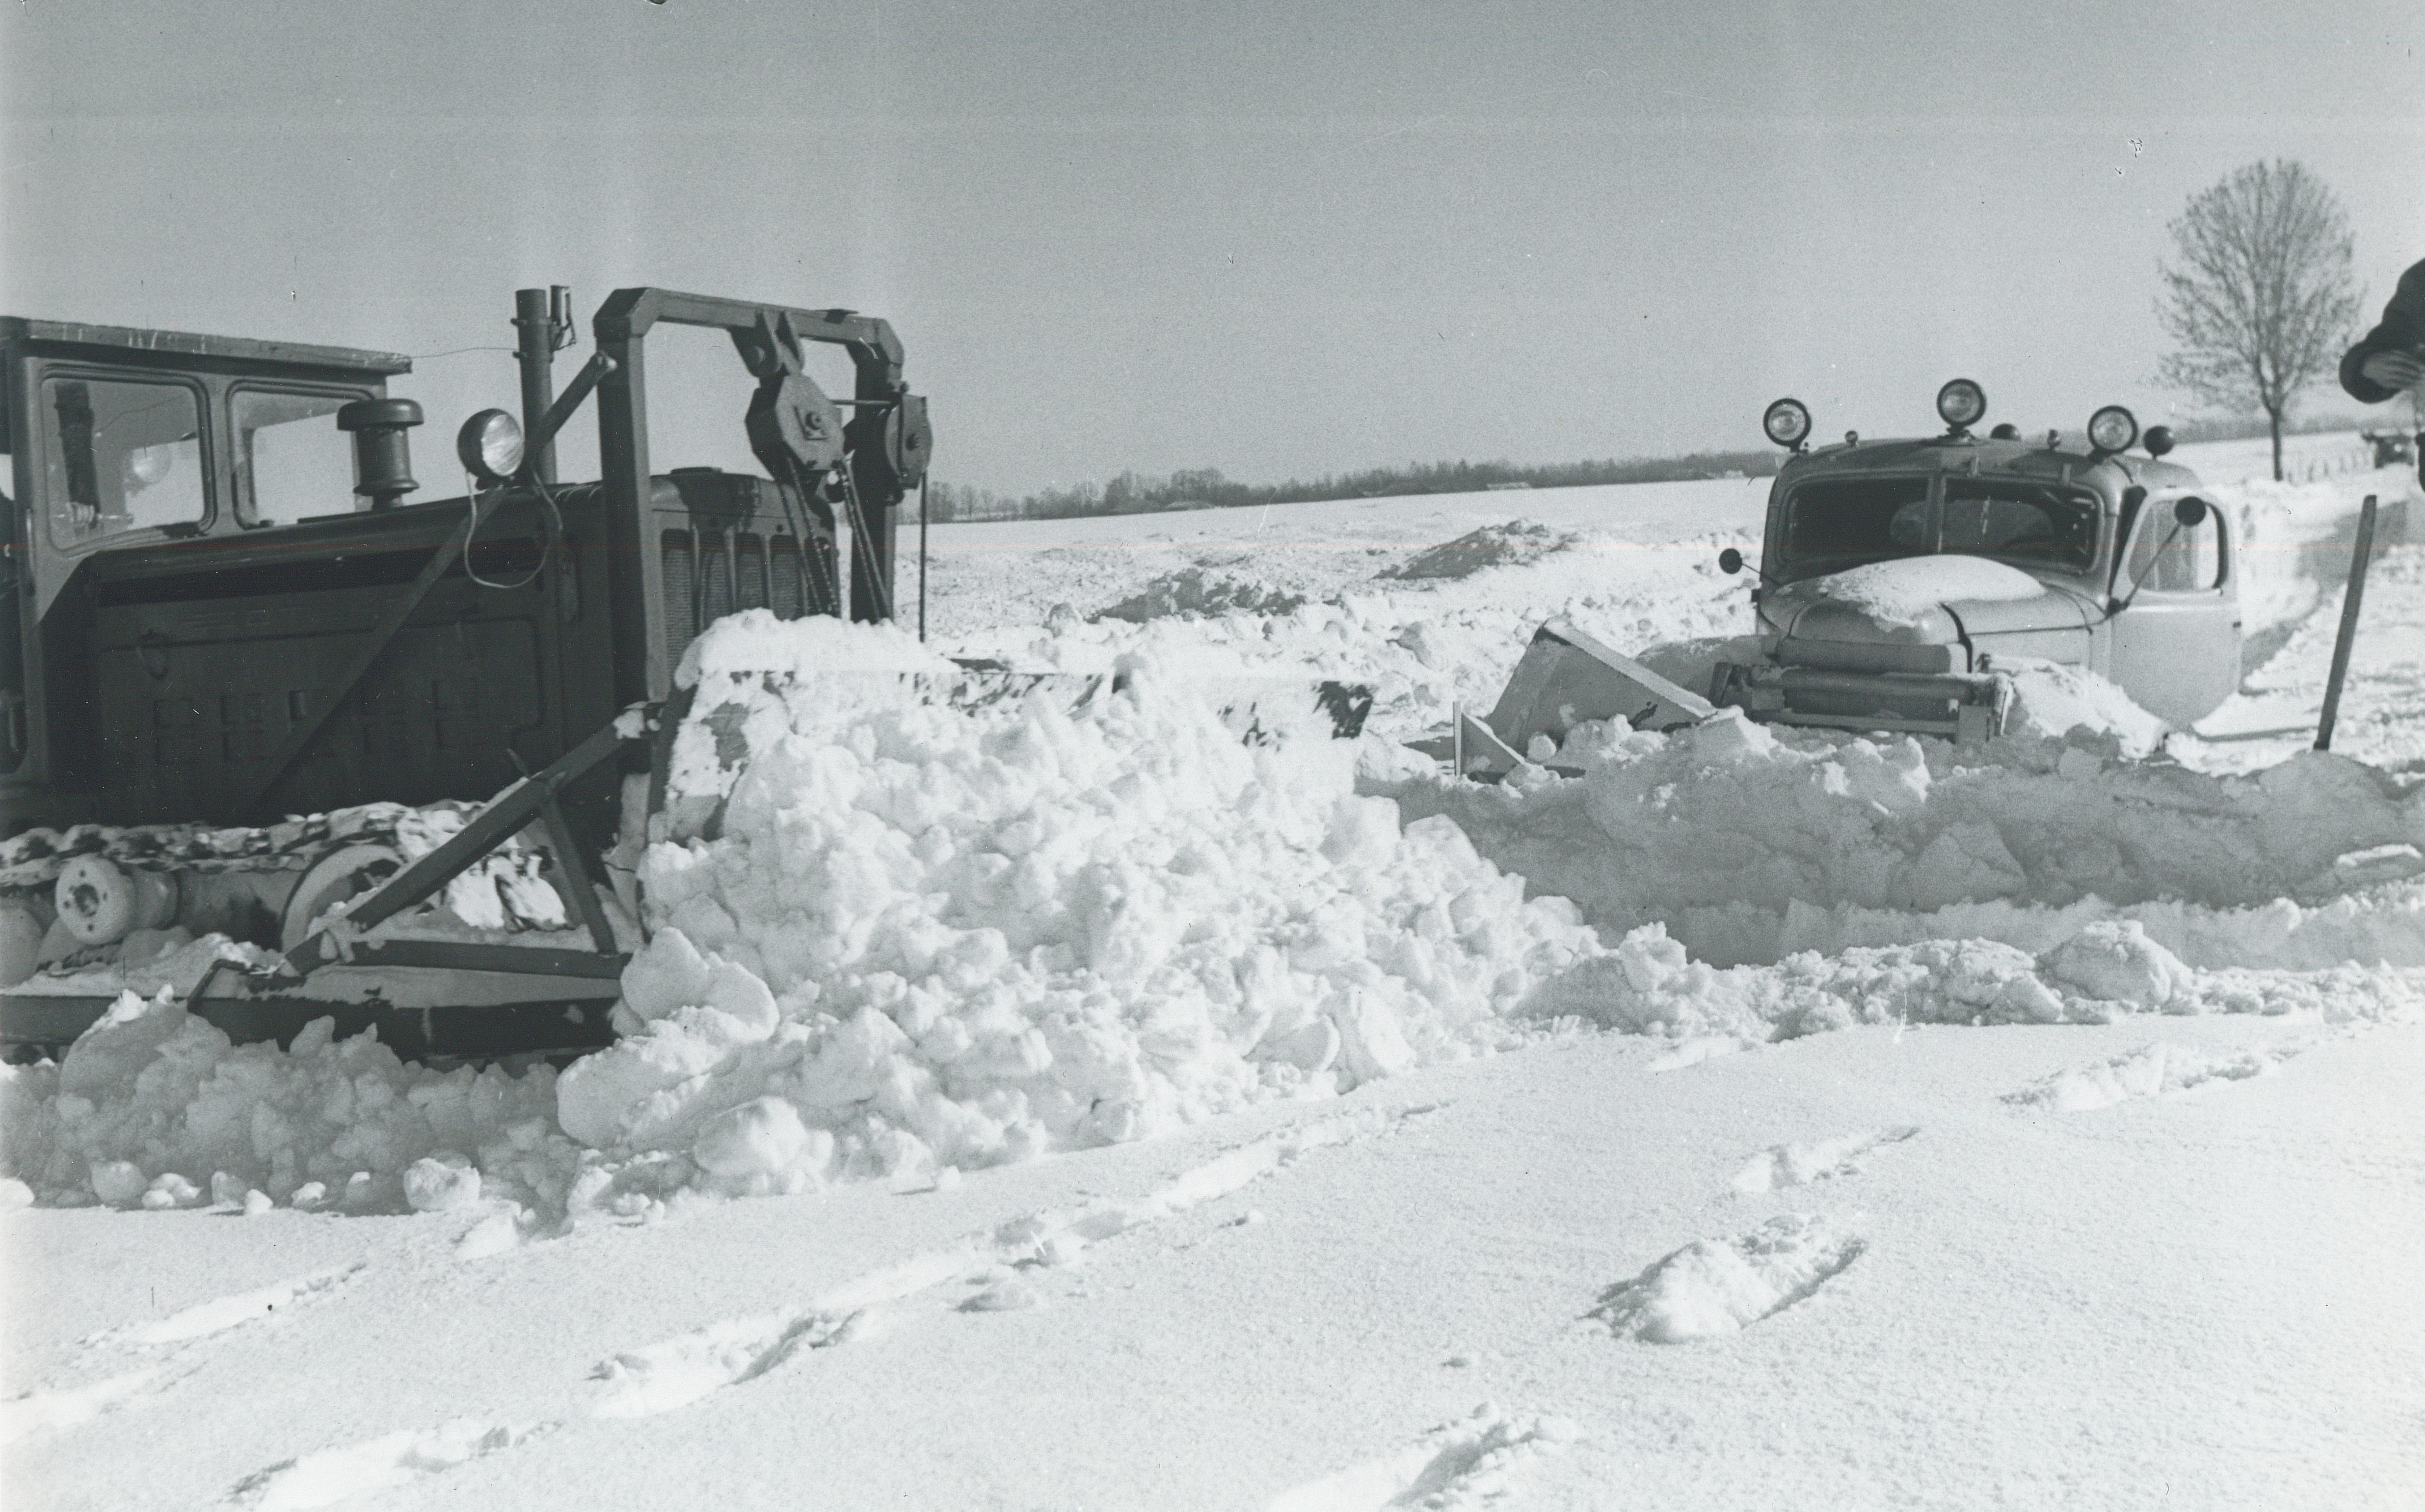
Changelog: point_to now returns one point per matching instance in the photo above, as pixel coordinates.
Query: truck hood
(1922, 614)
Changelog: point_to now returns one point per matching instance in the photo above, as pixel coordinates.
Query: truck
(1900, 580)
(260, 705)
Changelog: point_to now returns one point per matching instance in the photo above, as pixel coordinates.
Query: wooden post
(2350, 601)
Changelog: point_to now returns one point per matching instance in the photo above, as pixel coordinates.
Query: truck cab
(1897, 576)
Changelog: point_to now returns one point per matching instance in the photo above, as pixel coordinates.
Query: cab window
(1832, 523)
(122, 455)
(2171, 557)
(2019, 521)
(291, 460)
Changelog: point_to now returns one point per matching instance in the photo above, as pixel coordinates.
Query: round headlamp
(1787, 423)
(2113, 429)
(491, 445)
(1960, 404)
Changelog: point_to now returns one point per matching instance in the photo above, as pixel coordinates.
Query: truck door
(2176, 637)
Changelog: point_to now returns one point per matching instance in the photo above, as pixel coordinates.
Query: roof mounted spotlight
(1788, 424)
(2112, 429)
(489, 446)
(1960, 404)
(2159, 440)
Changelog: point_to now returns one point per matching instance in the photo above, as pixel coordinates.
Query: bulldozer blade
(1567, 677)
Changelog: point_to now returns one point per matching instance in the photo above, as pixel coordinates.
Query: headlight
(1960, 404)
(491, 445)
(2113, 429)
(1786, 423)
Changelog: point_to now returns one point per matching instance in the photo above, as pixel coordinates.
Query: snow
(1900, 591)
(1050, 1098)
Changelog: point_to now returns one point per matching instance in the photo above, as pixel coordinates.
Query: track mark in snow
(224, 1313)
(1782, 1166)
(2152, 1071)
(67, 1406)
(1458, 1465)
(1720, 1286)
(682, 1370)
(334, 1476)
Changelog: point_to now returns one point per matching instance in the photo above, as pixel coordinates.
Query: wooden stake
(2350, 601)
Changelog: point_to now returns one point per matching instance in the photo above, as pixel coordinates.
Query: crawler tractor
(253, 693)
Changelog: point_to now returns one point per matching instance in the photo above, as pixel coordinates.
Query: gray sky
(1279, 240)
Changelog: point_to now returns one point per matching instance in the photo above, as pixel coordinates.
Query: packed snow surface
(1757, 1118)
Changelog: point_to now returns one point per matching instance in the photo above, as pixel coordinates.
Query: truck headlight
(1786, 421)
(2113, 429)
(1960, 403)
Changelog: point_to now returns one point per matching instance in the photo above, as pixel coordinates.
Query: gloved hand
(2394, 370)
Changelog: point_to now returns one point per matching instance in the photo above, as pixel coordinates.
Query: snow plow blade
(1966, 707)
(1567, 677)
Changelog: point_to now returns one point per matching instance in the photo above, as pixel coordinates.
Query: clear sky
(1276, 239)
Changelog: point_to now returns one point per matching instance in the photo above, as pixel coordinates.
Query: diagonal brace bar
(506, 813)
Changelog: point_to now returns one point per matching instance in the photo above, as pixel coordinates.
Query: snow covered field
(1068, 1105)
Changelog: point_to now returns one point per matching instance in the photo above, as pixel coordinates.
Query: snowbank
(1200, 590)
(1513, 544)
(1728, 833)
(918, 936)
(154, 1106)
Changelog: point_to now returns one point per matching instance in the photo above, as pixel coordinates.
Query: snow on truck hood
(1912, 593)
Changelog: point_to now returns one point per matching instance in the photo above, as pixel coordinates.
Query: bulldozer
(255, 702)
(1901, 580)
(282, 742)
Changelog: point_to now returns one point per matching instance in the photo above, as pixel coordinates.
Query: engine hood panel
(1926, 614)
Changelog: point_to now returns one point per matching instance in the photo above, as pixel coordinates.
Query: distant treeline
(1206, 488)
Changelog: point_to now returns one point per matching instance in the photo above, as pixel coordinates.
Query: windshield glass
(2019, 521)
(1834, 524)
(291, 460)
(121, 455)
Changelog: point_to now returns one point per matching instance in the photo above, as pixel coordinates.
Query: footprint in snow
(2159, 1069)
(1714, 1287)
(683, 1369)
(1782, 1166)
(56, 1408)
(1467, 1464)
(333, 1475)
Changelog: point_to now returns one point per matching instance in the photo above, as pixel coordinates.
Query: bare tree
(2260, 301)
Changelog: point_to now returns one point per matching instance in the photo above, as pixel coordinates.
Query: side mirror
(2190, 512)
(1730, 561)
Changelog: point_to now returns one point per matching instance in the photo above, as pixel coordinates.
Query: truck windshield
(1833, 524)
(121, 456)
(292, 462)
(2019, 521)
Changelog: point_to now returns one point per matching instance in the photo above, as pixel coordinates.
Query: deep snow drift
(910, 924)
